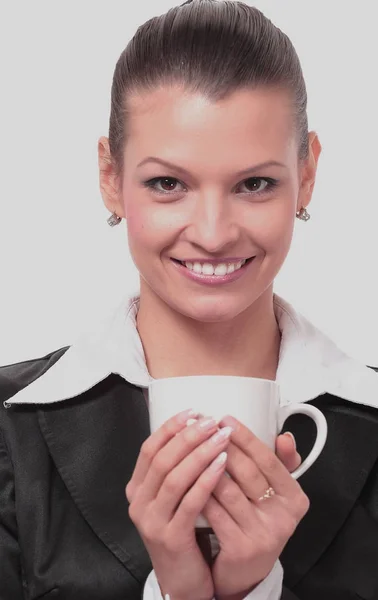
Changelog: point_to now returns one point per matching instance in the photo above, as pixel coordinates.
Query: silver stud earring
(114, 219)
(303, 214)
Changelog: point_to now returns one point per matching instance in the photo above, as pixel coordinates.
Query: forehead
(176, 118)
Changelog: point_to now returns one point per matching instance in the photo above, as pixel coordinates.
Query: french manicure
(217, 421)
(207, 423)
(218, 462)
(221, 435)
(187, 414)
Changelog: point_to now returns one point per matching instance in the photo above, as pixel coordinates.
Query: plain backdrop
(63, 267)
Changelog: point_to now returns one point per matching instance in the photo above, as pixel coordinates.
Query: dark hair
(214, 47)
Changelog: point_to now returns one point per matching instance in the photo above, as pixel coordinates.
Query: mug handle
(321, 427)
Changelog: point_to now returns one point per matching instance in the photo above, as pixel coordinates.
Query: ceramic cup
(253, 401)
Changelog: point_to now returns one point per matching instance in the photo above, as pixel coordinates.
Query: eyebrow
(165, 163)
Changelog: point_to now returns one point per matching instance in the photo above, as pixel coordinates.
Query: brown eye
(254, 184)
(166, 184)
(256, 189)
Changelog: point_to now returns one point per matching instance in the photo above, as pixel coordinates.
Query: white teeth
(208, 269)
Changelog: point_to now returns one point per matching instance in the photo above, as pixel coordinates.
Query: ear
(308, 171)
(109, 183)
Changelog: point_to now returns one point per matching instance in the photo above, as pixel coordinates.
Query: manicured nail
(288, 433)
(191, 422)
(218, 462)
(186, 414)
(221, 435)
(207, 423)
(217, 421)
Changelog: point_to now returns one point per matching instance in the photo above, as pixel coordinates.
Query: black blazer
(65, 532)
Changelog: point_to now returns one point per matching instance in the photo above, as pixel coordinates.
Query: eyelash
(271, 184)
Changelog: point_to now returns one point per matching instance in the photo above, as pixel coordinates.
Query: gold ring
(268, 494)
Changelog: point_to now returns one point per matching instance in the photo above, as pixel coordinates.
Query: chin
(210, 309)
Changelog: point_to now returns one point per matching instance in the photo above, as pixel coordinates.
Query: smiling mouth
(248, 260)
(219, 272)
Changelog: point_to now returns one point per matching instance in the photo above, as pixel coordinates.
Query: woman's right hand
(174, 476)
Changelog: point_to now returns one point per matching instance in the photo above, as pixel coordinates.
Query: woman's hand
(252, 533)
(173, 479)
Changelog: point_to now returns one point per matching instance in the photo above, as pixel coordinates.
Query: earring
(114, 219)
(303, 214)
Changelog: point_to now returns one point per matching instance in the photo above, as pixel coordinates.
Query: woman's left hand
(251, 532)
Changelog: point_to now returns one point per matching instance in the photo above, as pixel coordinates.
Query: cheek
(272, 229)
(153, 224)
(147, 234)
(135, 223)
(280, 231)
(139, 224)
(137, 232)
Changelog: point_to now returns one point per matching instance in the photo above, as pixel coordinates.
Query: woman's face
(200, 206)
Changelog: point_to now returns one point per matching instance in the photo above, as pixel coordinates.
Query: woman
(209, 160)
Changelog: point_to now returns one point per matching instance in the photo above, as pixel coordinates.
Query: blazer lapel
(94, 440)
(334, 482)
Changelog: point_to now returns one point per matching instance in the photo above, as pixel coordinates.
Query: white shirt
(310, 364)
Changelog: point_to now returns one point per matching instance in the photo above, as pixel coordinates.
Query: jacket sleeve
(10, 566)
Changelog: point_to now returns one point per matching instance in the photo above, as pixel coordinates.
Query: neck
(177, 346)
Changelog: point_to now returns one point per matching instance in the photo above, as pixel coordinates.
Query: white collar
(310, 363)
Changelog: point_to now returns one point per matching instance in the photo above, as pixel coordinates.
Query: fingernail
(191, 422)
(206, 423)
(217, 421)
(288, 433)
(221, 435)
(218, 462)
(186, 414)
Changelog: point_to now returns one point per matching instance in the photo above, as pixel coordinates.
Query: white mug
(254, 402)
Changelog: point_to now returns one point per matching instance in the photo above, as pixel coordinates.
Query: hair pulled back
(214, 47)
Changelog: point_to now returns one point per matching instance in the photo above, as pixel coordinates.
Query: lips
(214, 261)
(212, 280)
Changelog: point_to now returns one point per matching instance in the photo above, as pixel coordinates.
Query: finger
(171, 454)
(272, 468)
(198, 495)
(287, 453)
(231, 497)
(153, 444)
(245, 472)
(223, 525)
(178, 480)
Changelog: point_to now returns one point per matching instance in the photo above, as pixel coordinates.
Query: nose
(213, 224)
